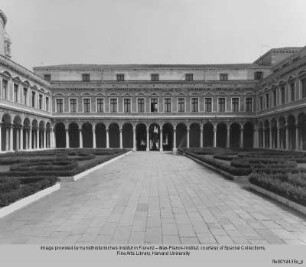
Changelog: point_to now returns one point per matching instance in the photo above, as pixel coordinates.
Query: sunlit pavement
(153, 197)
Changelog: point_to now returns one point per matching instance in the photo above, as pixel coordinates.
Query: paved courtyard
(147, 198)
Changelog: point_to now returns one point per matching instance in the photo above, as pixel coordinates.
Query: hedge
(9, 185)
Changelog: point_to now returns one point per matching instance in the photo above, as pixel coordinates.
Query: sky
(49, 32)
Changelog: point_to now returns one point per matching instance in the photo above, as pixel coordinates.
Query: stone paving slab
(154, 198)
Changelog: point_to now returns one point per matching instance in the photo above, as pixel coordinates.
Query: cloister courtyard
(154, 198)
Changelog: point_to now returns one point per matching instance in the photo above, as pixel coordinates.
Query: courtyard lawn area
(280, 172)
(25, 173)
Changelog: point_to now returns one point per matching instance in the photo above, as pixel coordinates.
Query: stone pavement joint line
(153, 198)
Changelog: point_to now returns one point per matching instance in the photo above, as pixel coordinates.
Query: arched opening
(141, 137)
(235, 135)
(5, 132)
(127, 135)
(74, 135)
(26, 133)
(114, 136)
(100, 135)
(248, 135)
(16, 133)
(208, 135)
(260, 135)
(181, 135)
(302, 131)
(167, 137)
(274, 133)
(267, 134)
(41, 134)
(194, 135)
(291, 132)
(221, 135)
(154, 135)
(87, 135)
(60, 135)
(34, 134)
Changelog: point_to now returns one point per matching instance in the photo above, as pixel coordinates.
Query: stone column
(188, 137)
(215, 136)
(201, 136)
(120, 135)
(287, 137)
(174, 139)
(7, 138)
(11, 138)
(279, 143)
(94, 141)
(134, 138)
(228, 134)
(21, 137)
(297, 138)
(161, 139)
(241, 136)
(148, 140)
(0, 137)
(263, 137)
(107, 137)
(45, 138)
(67, 138)
(81, 138)
(17, 138)
(270, 138)
(52, 138)
(256, 138)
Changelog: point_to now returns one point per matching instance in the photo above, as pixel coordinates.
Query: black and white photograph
(152, 132)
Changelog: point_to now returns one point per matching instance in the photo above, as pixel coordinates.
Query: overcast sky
(47, 32)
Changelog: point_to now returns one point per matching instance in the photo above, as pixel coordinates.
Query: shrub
(225, 156)
(9, 185)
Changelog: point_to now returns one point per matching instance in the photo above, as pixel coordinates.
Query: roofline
(145, 66)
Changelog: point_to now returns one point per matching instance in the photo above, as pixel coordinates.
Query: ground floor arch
(195, 135)
(141, 137)
(181, 135)
(100, 135)
(221, 135)
(208, 135)
(114, 135)
(167, 137)
(127, 135)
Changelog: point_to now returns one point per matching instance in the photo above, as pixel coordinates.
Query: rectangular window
(25, 96)
(86, 105)
(100, 103)
(249, 104)
(189, 77)
(4, 89)
(47, 103)
(208, 104)
(267, 101)
(221, 102)
(292, 91)
(167, 104)
(223, 76)
(140, 105)
(127, 105)
(303, 82)
(113, 105)
(154, 77)
(181, 104)
(120, 77)
(260, 103)
(258, 75)
(47, 77)
(283, 99)
(154, 105)
(59, 105)
(73, 105)
(40, 100)
(33, 99)
(274, 98)
(194, 105)
(16, 92)
(85, 77)
(235, 104)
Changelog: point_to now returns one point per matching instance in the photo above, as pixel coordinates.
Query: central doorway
(154, 136)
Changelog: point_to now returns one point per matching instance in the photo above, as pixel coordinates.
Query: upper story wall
(145, 72)
(22, 90)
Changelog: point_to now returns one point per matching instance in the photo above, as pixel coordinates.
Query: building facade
(155, 107)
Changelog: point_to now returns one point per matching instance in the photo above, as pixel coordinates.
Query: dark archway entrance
(167, 137)
(100, 135)
(60, 135)
(194, 135)
(235, 135)
(127, 135)
(74, 135)
(181, 135)
(141, 137)
(248, 135)
(154, 135)
(114, 136)
(221, 135)
(208, 135)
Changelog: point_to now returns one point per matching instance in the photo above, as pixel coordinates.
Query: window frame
(123, 103)
(56, 109)
(164, 104)
(117, 105)
(83, 104)
(232, 106)
(76, 106)
(120, 75)
(224, 104)
(211, 104)
(189, 77)
(223, 76)
(85, 77)
(144, 105)
(191, 104)
(103, 104)
(185, 104)
(156, 103)
(246, 104)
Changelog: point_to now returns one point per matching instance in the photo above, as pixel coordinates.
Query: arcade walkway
(153, 197)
